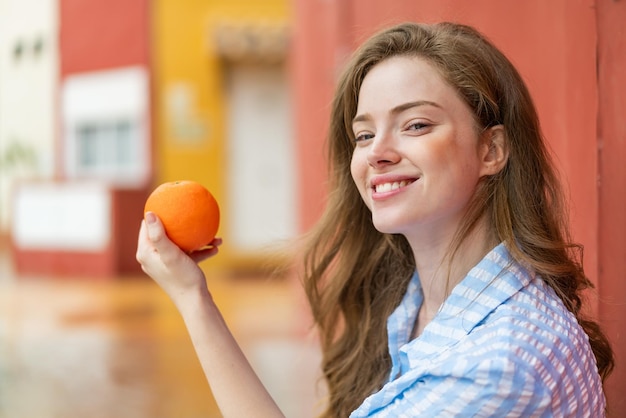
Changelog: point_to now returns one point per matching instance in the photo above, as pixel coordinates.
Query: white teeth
(387, 187)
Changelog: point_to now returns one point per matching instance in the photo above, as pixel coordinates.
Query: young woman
(441, 276)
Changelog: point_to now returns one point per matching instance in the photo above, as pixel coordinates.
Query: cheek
(441, 158)
(455, 155)
(441, 150)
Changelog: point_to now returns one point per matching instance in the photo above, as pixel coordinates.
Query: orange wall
(554, 45)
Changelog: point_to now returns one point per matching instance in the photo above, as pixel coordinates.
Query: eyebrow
(398, 109)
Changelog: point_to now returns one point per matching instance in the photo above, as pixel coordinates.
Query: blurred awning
(264, 41)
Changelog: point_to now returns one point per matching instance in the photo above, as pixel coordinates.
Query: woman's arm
(235, 386)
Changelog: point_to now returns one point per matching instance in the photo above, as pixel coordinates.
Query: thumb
(156, 232)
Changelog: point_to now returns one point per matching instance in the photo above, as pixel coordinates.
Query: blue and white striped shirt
(502, 344)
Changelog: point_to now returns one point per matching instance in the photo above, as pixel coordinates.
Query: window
(106, 126)
(106, 148)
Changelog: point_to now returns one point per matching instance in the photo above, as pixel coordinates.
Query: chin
(386, 228)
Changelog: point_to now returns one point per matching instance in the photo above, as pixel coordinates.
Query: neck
(440, 270)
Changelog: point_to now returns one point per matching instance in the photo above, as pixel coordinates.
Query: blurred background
(100, 101)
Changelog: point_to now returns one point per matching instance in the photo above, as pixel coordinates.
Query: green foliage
(17, 154)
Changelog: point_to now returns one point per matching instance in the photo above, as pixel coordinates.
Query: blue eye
(417, 126)
(363, 137)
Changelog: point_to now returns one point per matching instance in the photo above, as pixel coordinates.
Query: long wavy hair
(355, 276)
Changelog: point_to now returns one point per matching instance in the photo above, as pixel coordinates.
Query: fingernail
(150, 218)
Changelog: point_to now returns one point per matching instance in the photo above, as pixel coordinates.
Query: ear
(494, 152)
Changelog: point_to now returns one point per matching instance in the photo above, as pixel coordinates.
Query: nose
(382, 151)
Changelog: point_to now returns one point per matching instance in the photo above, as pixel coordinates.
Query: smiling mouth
(388, 187)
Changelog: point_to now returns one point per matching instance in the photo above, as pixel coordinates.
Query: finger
(216, 242)
(208, 251)
(203, 254)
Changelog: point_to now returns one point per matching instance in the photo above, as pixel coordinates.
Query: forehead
(404, 79)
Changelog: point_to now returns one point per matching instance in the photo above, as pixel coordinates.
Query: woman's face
(417, 158)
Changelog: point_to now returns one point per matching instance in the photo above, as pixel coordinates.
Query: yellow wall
(190, 142)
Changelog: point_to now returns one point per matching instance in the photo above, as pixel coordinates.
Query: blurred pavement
(92, 348)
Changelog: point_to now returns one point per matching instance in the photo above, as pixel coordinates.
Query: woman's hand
(175, 271)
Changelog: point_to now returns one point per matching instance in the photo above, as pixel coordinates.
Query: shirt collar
(483, 289)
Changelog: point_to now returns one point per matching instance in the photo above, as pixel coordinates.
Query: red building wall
(100, 34)
(555, 46)
(611, 137)
(97, 35)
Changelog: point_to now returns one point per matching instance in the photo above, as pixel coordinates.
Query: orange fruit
(188, 211)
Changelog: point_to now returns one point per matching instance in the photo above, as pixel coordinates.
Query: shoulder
(533, 343)
(535, 321)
